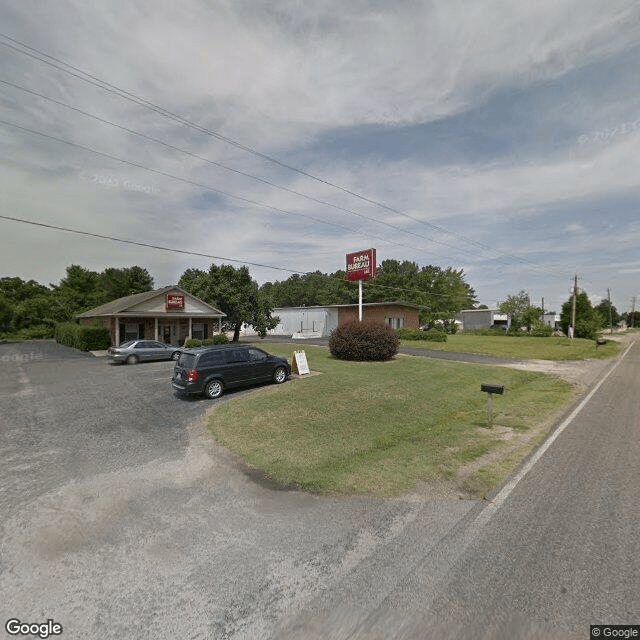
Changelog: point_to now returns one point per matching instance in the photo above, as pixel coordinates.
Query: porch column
(220, 324)
(190, 323)
(156, 323)
(117, 331)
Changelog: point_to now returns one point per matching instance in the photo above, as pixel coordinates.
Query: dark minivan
(211, 370)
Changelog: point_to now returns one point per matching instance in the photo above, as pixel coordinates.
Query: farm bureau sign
(361, 265)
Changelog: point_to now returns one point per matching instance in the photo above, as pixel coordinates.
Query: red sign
(175, 301)
(361, 265)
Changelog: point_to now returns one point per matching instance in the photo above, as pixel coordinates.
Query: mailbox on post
(490, 389)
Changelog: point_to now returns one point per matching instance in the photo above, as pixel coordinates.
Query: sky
(501, 138)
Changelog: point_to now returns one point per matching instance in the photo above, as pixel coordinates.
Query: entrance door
(167, 333)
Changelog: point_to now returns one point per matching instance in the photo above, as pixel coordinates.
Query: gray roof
(122, 304)
(397, 303)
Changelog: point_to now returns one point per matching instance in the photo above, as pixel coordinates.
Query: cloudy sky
(499, 137)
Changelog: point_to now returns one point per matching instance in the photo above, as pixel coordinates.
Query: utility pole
(542, 306)
(633, 311)
(610, 313)
(573, 311)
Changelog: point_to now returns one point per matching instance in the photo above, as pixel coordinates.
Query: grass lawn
(379, 428)
(521, 347)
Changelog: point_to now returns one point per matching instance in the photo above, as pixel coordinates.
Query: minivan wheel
(213, 389)
(132, 360)
(279, 375)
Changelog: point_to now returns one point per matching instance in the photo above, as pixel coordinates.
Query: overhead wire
(204, 186)
(198, 253)
(245, 174)
(94, 80)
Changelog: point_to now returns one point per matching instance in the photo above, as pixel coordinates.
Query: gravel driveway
(122, 518)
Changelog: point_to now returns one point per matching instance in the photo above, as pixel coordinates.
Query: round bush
(363, 341)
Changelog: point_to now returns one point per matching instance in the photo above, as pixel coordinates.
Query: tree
(79, 290)
(6, 312)
(602, 314)
(586, 320)
(16, 289)
(531, 317)
(117, 283)
(441, 292)
(44, 309)
(234, 292)
(310, 289)
(515, 304)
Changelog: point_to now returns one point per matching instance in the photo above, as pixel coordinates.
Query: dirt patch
(583, 373)
(476, 479)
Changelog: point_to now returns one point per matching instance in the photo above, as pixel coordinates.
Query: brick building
(321, 321)
(170, 315)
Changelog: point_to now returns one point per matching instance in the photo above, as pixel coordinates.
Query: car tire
(175, 355)
(213, 389)
(132, 360)
(279, 375)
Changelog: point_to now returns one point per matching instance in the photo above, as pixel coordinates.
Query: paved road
(558, 553)
(123, 519)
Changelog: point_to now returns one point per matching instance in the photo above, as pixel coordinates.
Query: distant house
(319, 321)
(474, 319)
(552, 319)
(170, 315)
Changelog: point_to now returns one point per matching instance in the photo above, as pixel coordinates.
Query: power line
(199, 184)
(201, 254)
(106, 86)
(237, 171)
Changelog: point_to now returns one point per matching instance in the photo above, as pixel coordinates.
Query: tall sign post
(361, 266)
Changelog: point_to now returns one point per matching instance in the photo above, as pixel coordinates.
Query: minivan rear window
(187, 360)
(210, 358)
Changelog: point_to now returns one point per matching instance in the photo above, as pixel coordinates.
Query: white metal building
(474, 319)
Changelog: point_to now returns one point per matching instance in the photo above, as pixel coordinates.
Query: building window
(197, 331)
(131, 332)
(395, 322)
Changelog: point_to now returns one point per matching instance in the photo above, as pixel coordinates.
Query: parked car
(211, 370)
(135, 351)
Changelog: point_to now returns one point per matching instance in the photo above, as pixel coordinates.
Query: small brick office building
(170, 315)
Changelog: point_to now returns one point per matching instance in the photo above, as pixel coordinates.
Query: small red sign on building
(361, 265)
(175, 301)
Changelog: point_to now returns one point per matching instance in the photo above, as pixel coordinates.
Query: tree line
(589, 319)
(33, 309)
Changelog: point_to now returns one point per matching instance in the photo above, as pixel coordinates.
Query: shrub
(92, 337)
(65, 333)
(39, 332)
(219, 338)
(410, 334)
(84, 337)
(363, 341)
(586, 329)
(541, 330)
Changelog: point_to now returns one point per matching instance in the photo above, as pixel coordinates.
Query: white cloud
(285, 79)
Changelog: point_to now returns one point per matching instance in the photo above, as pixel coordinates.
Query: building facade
(475, 319)
(170, 315)
(321, 321)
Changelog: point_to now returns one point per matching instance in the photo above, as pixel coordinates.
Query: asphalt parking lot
(123, 518)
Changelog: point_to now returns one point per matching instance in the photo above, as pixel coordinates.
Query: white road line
(486, 514)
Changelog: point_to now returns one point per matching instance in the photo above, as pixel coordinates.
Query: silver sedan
(135, 351)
